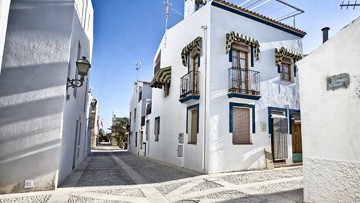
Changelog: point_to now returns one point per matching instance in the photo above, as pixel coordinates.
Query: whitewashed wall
(140, 106)
(4, 14)
(220, 154)
(223, 155)
(37, 123)
(173, 113)
(330, 119)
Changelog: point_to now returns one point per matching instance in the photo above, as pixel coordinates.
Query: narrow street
(119, 176)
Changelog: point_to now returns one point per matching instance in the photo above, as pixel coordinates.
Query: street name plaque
(337, 81)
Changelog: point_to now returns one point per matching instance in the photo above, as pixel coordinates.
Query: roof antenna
(349, 4)
(138, 65)
(167, 6)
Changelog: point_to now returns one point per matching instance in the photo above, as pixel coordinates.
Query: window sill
(193, 143)
(242, 143)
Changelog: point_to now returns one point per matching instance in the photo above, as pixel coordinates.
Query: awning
(280, 53)
(161, 77)
(195, 44)
(201, 2)
(236, 37)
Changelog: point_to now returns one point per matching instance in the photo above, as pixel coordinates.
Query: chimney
(325, 31)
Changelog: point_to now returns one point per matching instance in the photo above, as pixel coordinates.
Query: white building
(4, 14)
(139, 117)
(43, 123)
(330, 109)
(229, 91)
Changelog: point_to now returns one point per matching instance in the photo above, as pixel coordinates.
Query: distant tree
(102, 135)
(119, 130)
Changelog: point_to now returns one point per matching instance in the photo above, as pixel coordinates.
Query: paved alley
(118, 176)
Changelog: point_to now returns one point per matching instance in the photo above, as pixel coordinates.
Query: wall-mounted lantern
(83, 66)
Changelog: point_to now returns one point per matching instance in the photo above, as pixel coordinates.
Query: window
(147, 129)
(76, 71)
(241, 126)
(286, 69)
(157, 128)
(239, 56)
(241, 122)
(141, 139)
(140, 93)
(166, 89)
(134, 115)
(136, 140)
(240, 63)
(157, 62)
(192, 127)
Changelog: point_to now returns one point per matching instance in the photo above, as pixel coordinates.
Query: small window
(147, 129)
(193, 126)
(157, 128)
(140, 93)
(157, 63)
(240, 58)
(136, 140)
(166, 89)
(241, 126)
(286, 72)
(134, 115)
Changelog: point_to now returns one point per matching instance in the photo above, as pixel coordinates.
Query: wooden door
(296, 138)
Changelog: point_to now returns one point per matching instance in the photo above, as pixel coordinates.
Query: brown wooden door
(296, 138)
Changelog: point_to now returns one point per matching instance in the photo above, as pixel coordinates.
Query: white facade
(4, 14)
(214, 150)
(137, 142)
(330, 119)
(42, 121)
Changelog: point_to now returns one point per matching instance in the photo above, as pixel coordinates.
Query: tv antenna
(138, 65)
(167, 6)
(349, 4)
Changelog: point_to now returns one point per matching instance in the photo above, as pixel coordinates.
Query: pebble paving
(104, 180)
(28, 199)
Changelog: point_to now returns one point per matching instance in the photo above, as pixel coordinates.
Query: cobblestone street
(114, 176)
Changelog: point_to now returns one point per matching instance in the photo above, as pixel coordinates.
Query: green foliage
(118, 130)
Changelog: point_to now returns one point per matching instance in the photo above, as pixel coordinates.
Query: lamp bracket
(75, 82)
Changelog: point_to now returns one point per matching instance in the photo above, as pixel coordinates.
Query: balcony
(244, 83)
(189, 87)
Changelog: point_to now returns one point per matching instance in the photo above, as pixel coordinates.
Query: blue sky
(127, 30)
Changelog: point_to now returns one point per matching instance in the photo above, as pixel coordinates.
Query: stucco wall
(330, 119)
(224, 156)
(75, 105)
(171, 111)
(221, 155)
(34, 112)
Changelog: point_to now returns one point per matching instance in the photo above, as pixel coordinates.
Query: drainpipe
(204, 28)
(325, 31)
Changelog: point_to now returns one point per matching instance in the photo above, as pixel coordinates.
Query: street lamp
(83, 66)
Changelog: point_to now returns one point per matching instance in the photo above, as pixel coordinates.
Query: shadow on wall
(31, 105)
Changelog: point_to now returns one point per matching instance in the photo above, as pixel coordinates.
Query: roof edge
(258, 17)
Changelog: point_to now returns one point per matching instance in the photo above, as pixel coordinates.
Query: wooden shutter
(193, 138)
(241, 126)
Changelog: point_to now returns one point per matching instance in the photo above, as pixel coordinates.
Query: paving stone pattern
(205, 185)
(261, 176)
(27, 199)
(102, 170)
(110, 176)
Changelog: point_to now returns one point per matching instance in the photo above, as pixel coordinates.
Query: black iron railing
(189, 84)
(243, 81)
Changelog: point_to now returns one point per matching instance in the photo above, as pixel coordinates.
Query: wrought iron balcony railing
(243, 81)
(189, 84)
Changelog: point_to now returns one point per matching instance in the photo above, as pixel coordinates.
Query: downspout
(204, 27)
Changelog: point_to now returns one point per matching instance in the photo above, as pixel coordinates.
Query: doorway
(279, 143)
(296, 138)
